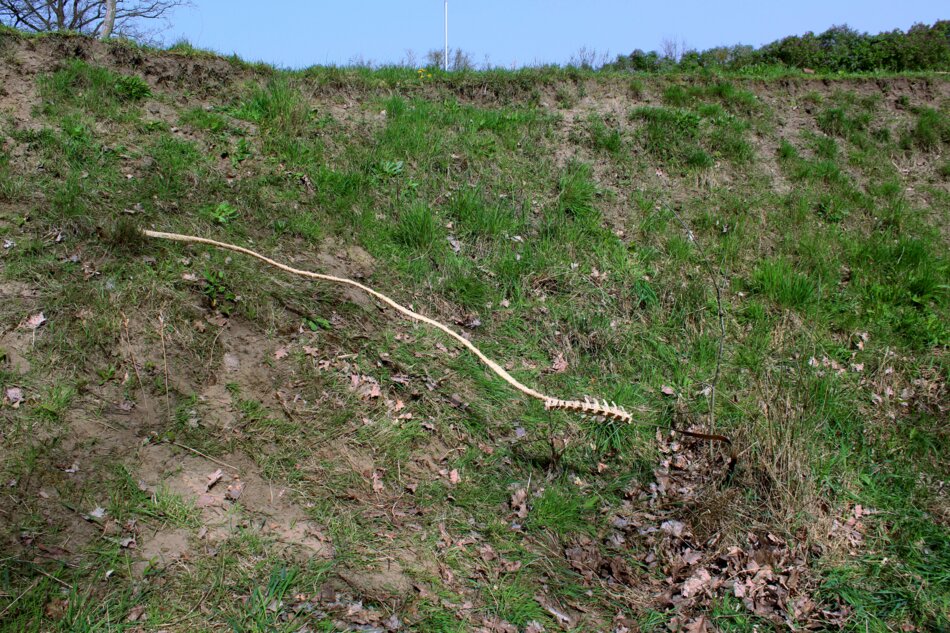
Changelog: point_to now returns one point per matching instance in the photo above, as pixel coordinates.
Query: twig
(208, 457)
(200, 602)
(161, 331)
(714, 279)
(50, 576)
(214, 342)
(135, 367)
(287, 412)
(17, 599)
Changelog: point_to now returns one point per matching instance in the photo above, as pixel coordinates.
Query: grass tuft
(783, 284)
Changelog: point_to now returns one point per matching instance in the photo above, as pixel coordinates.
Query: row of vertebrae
(591, 406)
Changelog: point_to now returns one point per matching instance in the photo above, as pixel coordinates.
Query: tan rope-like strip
(587, 406)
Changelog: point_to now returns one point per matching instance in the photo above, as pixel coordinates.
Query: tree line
(838, 49)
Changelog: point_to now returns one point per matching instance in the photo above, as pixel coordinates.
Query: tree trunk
(109, 21)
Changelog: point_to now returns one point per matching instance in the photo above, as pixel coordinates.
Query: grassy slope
(548, 208)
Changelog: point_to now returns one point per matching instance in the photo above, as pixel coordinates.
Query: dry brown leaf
(510, 566)
(697, 583)
(280, 352)
(673, 528)
(235, 490)
(519, 503)
(560, 364)
(488, 553)
(366, 386)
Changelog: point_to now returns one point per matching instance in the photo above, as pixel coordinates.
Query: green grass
(929, 132)
(692, 136)
(96, 89)
(558, 253)
(562, 510)
(604, 137)
(781, 283)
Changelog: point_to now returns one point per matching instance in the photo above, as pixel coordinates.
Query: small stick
(50, 576)
(721, 313)
(208, 457)
(17, 599)
(161, 331)
(211, 350)
(135, 367)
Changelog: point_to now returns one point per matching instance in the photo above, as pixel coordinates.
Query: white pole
(445, 59)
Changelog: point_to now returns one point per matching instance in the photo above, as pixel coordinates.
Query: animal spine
(589, 406)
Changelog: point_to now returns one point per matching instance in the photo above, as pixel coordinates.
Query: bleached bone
(589, 406)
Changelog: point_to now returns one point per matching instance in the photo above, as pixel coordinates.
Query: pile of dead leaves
(652, 533)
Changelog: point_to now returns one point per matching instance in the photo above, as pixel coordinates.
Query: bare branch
(87, 16)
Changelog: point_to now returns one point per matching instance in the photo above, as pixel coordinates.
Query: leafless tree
(673, 48)
(588, 58)
(462, 60)
(458, 59)
(92, 17)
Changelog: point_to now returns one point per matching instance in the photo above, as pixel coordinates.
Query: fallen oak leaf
(519, 503)
(560, 364)
(136, 614)
(696, 583)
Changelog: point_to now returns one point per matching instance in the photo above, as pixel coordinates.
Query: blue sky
(299, 33)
